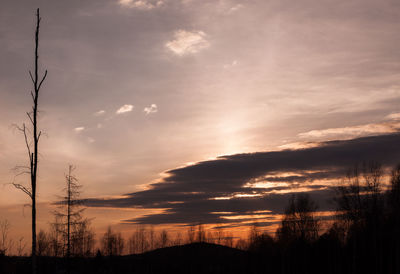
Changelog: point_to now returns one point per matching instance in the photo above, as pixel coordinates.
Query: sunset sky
(188, 111)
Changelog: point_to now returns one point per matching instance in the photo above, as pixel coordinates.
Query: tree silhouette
(299, 221)
(5, 242)
(32, 137)
(112, 243)
(78, 238)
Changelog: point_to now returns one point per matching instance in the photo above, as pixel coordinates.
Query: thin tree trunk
(69, 219)
(36, 136)
(36, 141)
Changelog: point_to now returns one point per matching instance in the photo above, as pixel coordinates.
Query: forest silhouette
(360, 237)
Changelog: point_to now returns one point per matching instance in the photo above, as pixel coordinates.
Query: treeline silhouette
(361, 236)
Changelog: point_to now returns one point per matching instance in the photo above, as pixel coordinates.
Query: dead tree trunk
(32, 139)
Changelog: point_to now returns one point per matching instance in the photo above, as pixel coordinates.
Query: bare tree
(5, 243)
(138, 242)
(113, 243)
(132, 244)
(21, 246)
(43, 244)
(57, 237)
(151, 238)
(394, 209)
(253, 233)
(32, 136)
(219, 235)
(359, 197)
(164, 239)
(191, 234)
(201, 234)
(299, 221)
(210, 237)
(360, 206)
(178, 238)
(82, 239)
(70, 211)
(228, 239)
(74, 229)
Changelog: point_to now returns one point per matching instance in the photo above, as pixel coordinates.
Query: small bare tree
(43, 244)
(219, 235)
(191, 233)
(200, 234)
(70, 225)
(113, 243)
(21, 246)
(32, 136)
(299, 221)
(164, 238)
(5, 243)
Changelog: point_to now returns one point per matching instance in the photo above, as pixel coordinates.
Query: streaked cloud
(393, 116)
(141, 4)
(124, 109)
(79, 129)
(299, 145)
(352, 131)
(151, 109)
(187, 42)
(99, 113)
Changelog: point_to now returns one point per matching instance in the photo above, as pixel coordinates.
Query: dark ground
(191, 258)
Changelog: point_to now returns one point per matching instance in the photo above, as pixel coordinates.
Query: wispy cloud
(393, 116)
(187, 42)
(99, 113)
(236, 8)
(141, 4)
(79, 129)
(233, 64)
(151, 109)
(352, 131)
(124, 109)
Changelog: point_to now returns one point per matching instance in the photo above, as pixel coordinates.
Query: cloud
(124, 108)
(187, 42)
(151, 109)
(353, 131)
(393, 116)
(141, 4)
(233, 64)
(235, 8)
(246, 183)
(99, 113)
(79, 129)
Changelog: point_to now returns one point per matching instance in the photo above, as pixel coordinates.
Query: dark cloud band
(196, 193)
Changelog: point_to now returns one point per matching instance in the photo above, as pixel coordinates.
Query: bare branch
(33, 81)
(27, 143)
(44, 77)
(30, 117)
(24, 189)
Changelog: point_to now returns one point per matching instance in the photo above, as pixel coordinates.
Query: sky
(186, 111)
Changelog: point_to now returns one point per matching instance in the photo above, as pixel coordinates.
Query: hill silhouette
(190, 258)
